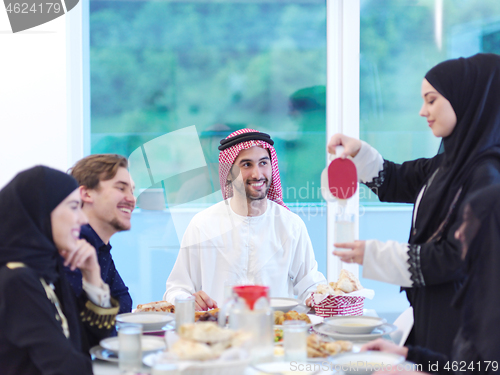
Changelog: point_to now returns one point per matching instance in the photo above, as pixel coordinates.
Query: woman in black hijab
(479, 335)
(476, 349)
(40, 320)
(462, 106)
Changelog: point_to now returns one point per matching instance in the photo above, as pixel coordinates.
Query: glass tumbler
(129, 347)
(295, 340)
(184, 311)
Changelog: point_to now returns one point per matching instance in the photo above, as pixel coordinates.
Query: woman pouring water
(461, 102)
(43, 329)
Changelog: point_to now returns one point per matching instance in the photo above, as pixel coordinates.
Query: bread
(206, 340)
(160, 306)
(348, 282)
(192, 350)
(208, 332)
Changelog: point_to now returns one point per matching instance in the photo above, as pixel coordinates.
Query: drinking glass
(184, 311)
(253, 314)
(295, 340)
(129, 347)
(343, 232)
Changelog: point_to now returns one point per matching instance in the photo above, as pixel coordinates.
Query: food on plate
(207, 332)
(347, 283)
(278, 335)
(319, 348)
(159, 306)
(206, 316)
(192, 350)
(205, 340)
(279, 350)
(280, 317)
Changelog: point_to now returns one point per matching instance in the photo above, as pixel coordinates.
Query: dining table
(103, 367)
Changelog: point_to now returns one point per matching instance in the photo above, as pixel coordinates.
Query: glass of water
(184, 311)
(129, 347)
(295, 340)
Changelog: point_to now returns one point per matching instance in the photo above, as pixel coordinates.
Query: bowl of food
(354, 324)
(284, 304)
(365, 363)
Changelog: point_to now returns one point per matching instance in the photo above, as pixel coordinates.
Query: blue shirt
(109, 274)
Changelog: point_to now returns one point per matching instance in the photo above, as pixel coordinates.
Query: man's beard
(262, 195)
(115, 223)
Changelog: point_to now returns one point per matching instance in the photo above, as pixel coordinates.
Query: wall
(34, 101)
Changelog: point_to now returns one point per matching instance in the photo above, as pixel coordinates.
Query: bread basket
(339, 305)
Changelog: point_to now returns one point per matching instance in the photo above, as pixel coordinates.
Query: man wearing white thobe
(249, 238)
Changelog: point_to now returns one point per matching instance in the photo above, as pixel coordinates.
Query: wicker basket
(339, 305)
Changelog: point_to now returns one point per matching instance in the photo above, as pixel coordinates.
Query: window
(400, 41)
(161, 66)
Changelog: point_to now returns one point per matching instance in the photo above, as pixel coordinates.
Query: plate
(384, 329)
(365, 363)
(151, 359)
(315, 319)
(354, 324)
(148, 343)
(150, 321)
(211, 367)
(288, 368)
(284, 304)
(106, 355)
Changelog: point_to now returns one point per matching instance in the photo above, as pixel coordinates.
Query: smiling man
(106, 190)
(251, 237)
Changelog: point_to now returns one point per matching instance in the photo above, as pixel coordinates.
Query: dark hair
(92, 169)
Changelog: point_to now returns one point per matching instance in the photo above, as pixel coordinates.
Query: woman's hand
(389, 347)
(84, 257)
(356, 254)
(382, 345)
(351, 145)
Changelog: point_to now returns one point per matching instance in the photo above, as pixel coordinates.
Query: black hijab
(26, 203)
(478, 298)
(472, 86)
